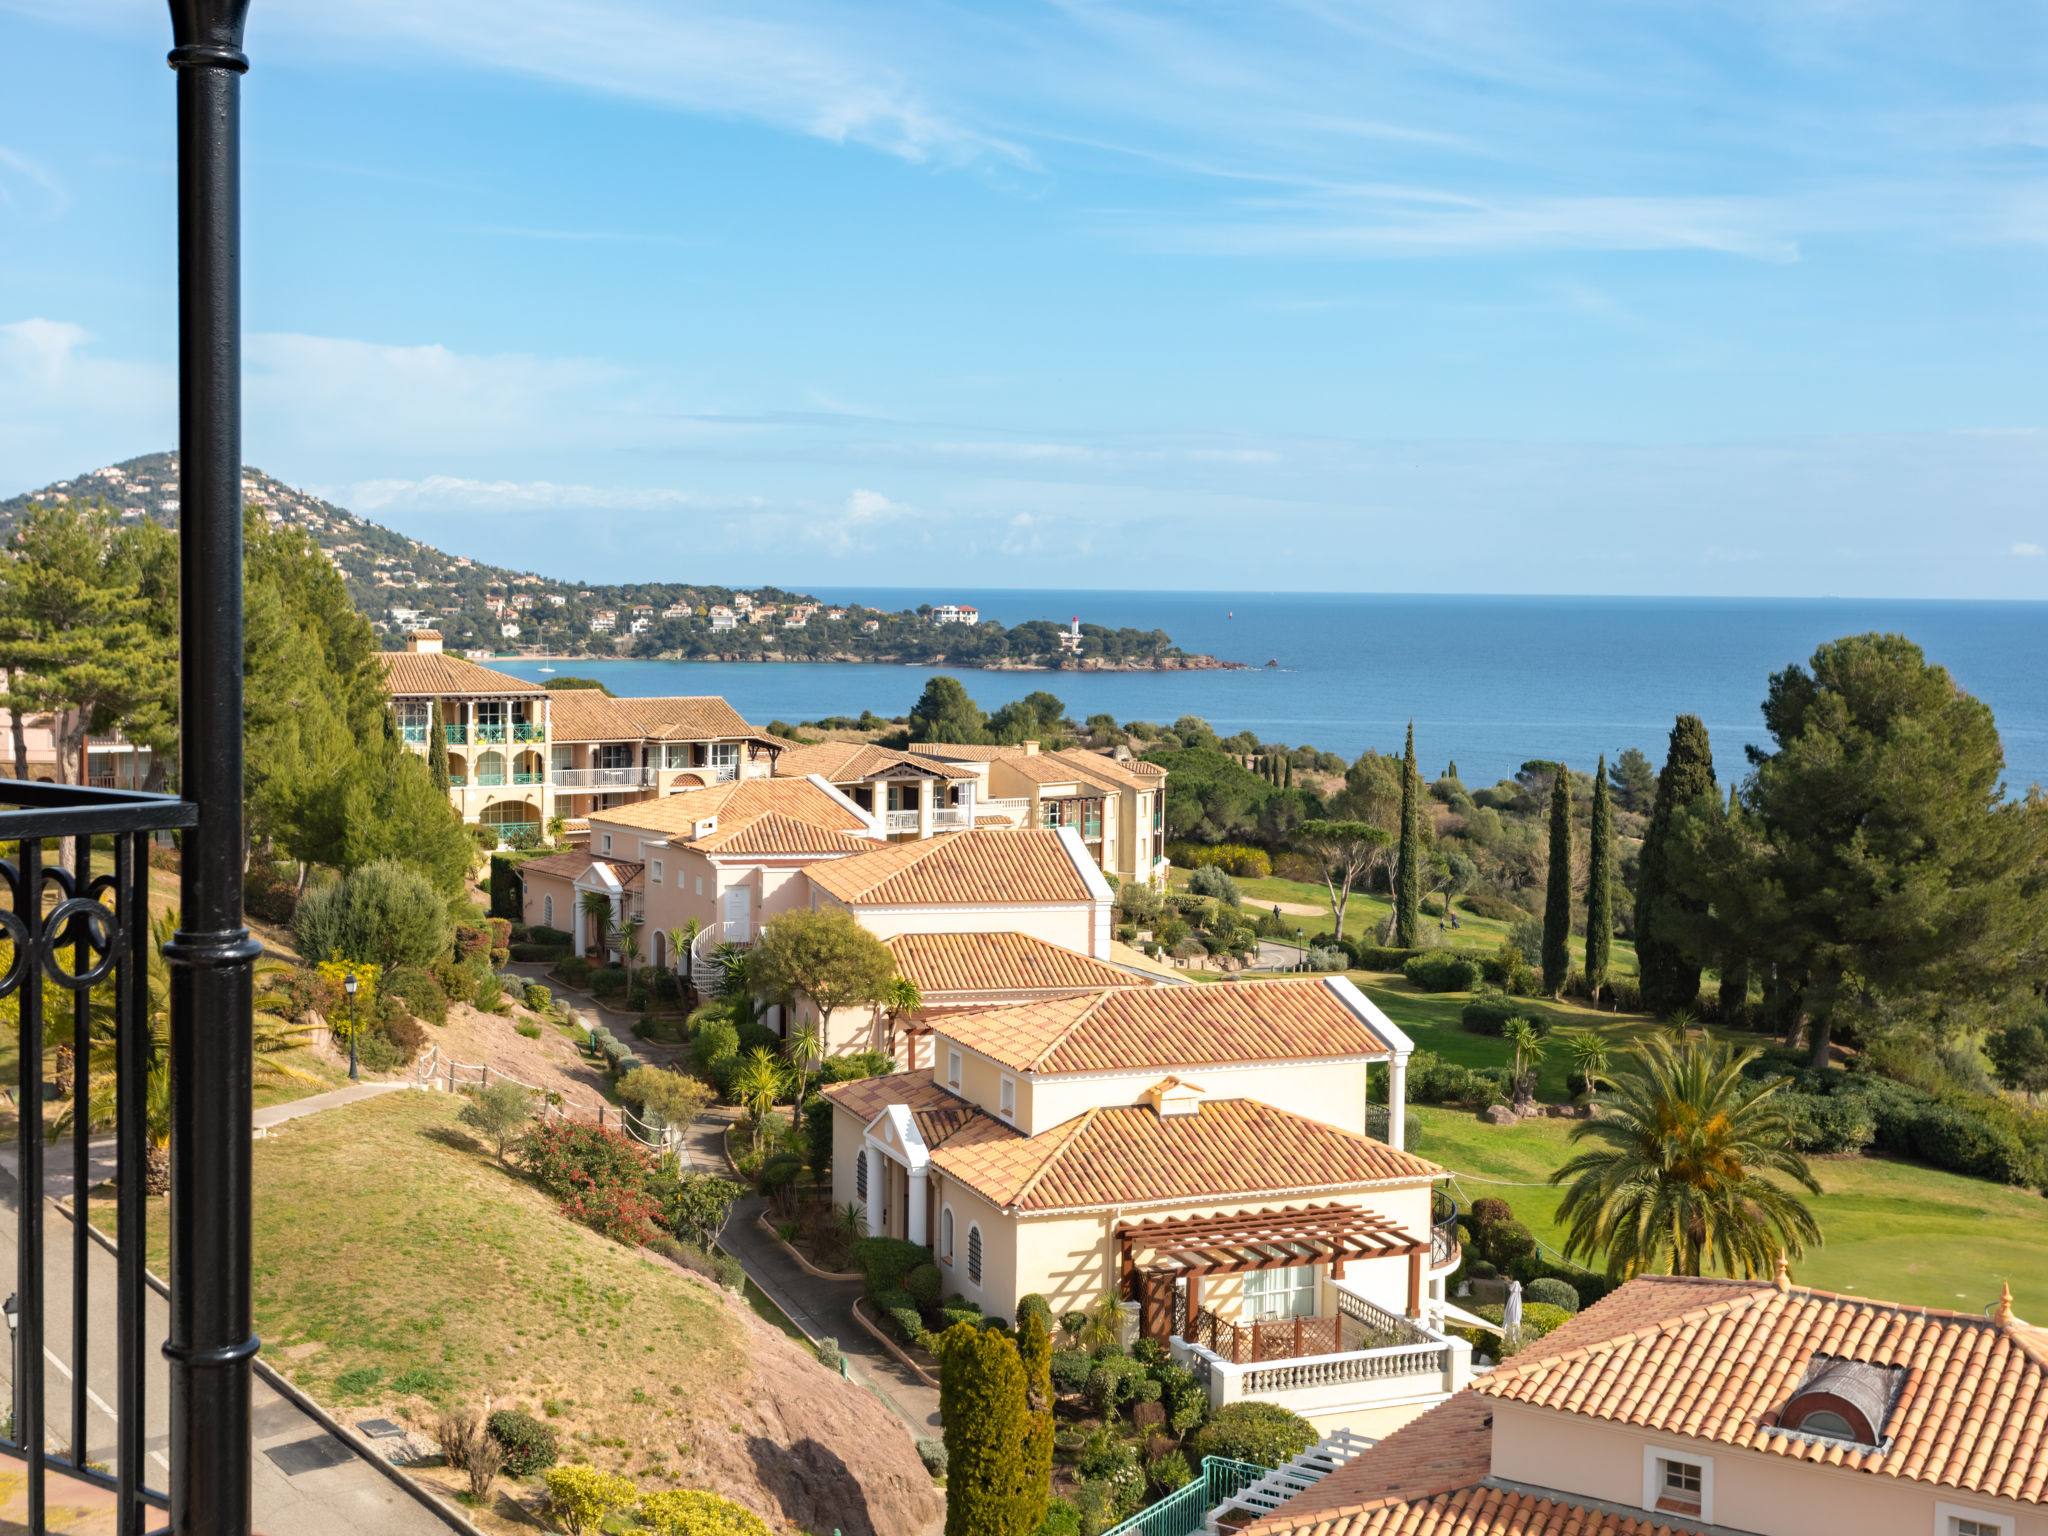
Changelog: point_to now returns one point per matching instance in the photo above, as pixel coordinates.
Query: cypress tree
(982, 1405)
(1671, 980)
(1034, 1348)
(1408, 879)
(1557, 906)
(1290, 774)
(1600, 885)
(437, 747)
(1451, 770)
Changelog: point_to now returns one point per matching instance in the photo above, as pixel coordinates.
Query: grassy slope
(389, 1243)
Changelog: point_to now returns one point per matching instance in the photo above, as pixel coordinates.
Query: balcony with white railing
(899, 821)
(953, 816)
(1361, 1358)
(601, 778)
(1016, 811)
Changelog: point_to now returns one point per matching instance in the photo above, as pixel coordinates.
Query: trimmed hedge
(887, 1263)
(544, 954)
(1442, 973)
(1488, 1015)
(1379, 957)
(607, 981)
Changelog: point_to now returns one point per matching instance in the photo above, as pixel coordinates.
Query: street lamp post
(348, 985)
(1301, 963)
(12, 1307)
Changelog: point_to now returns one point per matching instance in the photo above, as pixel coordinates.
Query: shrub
(1262, 1433)
(1209, 880)
(551, 936)
(498, 1113)
(1489, 1015)
(908, 1320)
(693, 1512)
(1062, 1518)
(1331, 959)
(471, 943)
(778, 1172)
(268, 895)
(1378, 957)
(608, 981)
(1537, 1317)
(1551, 1293)
(1626, 993)
(676, 1098)
(715, 1040)
(924, 1284)
(382, 913)
(933, 1454)
(469, 1449)
(528, 1443)
(1071, 1369)
(1168, 1472)
(1431, 1080)
(1113, 1383)
(575, 970)
(537, 998)
(405, 1033)
(1954, 1138)
(888, 1261)
(1184, 1397)
(544, 954)
(1828, 1123)
(1442, 973)
(1497, 908)
(420, 991)
(581, 1497)
(1031, 1302)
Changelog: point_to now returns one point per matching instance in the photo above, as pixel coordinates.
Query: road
(306, 1481)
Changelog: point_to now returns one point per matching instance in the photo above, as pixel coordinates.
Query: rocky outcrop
(803, 1447)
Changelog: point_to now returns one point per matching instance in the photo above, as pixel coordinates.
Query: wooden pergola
(1190, 1247)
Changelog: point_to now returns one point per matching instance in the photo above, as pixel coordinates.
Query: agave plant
(274, 1036)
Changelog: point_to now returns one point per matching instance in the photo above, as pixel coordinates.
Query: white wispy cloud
(29, 188)
(2028, 551)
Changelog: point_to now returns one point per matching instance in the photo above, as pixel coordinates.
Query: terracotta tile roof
(1174, 1027)
(961, 867)
(568, 864)
(1970, 1414)
(1130, 1155)
(997, 962)
(1055, 768)
(1473, 1511)
(796, 804)
(845, 761)
(585, 714)
(436, 674)
(963, 752)
(943, 1118)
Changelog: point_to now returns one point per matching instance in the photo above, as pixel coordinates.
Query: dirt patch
(551, 1062)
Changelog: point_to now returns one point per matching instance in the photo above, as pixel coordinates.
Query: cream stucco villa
(1203, 1151)
(1710, 1406)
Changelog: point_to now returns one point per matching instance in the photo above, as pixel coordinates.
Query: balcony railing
(458, 779)
(413, 735)
(602, 778)
(1018, 810)
(1282, 1339)
(953, 816)
(1444, 1247)
(491, 732)
(490, 778)
(525, 732)
(457, 735)
(900, 821)
(78, 955)
(529, 778)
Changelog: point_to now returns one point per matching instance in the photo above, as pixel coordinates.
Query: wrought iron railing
(457, 735)
(1184, 1511)
(1444, 1247)
(77, 942)
(525, 732)
(490, 733)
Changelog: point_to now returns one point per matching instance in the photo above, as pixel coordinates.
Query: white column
(925, 792)
(916, 1196)
(878, 1170)
(1397, 1103)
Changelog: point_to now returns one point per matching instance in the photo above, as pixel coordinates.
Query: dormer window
(1008, 1098)
(1846, 1400)
(953, 1070)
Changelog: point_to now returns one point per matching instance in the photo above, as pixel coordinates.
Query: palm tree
(1590, 1052)
(597, 907)
(1528, 1044)
(1105, 1321)
(901, 996)
(759, 1084)
(804, 1046)
(680, 942)
(629, 944)
(1680, 1175)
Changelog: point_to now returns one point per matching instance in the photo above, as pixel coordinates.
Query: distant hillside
(401, 584)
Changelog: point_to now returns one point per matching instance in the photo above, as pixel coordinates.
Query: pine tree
(982, 1406)
(437, 747)
(1671, 980)
(1034, 1348)
(1557, 906)
(1600, 885)
(1408, 877)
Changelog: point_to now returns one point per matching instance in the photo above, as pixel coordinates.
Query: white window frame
(1654, 1456)
(953, 1065)
(1006, 1098)
(1294, 1293)
(547, 911)
(657, 872)
(1946, 1515)
(675, 754)
(977, 1254)
(607, 842)
(946, 1236)
(700, 885)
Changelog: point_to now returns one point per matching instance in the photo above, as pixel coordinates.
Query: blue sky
(1431, 295)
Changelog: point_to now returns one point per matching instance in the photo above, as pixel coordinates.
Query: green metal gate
(1180, 1513)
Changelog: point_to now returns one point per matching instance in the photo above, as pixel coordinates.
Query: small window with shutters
(974, 1253)
(860, 1176)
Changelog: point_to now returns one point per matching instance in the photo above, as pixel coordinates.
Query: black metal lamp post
(12, 1308)
(348, 985)
(212, 958)
(1301, 962)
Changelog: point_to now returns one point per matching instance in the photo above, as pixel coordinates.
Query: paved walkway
(822, 1308)
(312, 1104)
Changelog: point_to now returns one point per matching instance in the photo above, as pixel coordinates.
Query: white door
(739, 928)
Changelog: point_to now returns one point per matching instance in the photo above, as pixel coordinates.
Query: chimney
(424, 641)
(1174, 1096)
(1031, 749)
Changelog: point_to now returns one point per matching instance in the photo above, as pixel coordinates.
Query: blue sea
(1490, 682)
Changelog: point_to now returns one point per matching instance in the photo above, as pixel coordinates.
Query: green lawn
(1894, 1231)
(1432, 1021)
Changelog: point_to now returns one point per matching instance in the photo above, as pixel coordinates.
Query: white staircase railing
(1305, 1471)
(705, 974)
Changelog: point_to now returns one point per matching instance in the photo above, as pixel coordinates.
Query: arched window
(860, 1176)
(547, 911)
(946, 1234)
(974, 1253)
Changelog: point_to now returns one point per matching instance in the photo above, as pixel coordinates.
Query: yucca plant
(901, 996)
(1590, 1052)
(1680, 1174)
(759, 1084)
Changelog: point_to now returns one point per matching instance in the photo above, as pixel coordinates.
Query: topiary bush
(1262, 1433)
(1489, 1015)
(925, 1285)
(1071, 1369)
(528, 1443)
(1550, 1292)
(608, 981)
(887, 1262)
(1442, 973)
(693, 1512)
